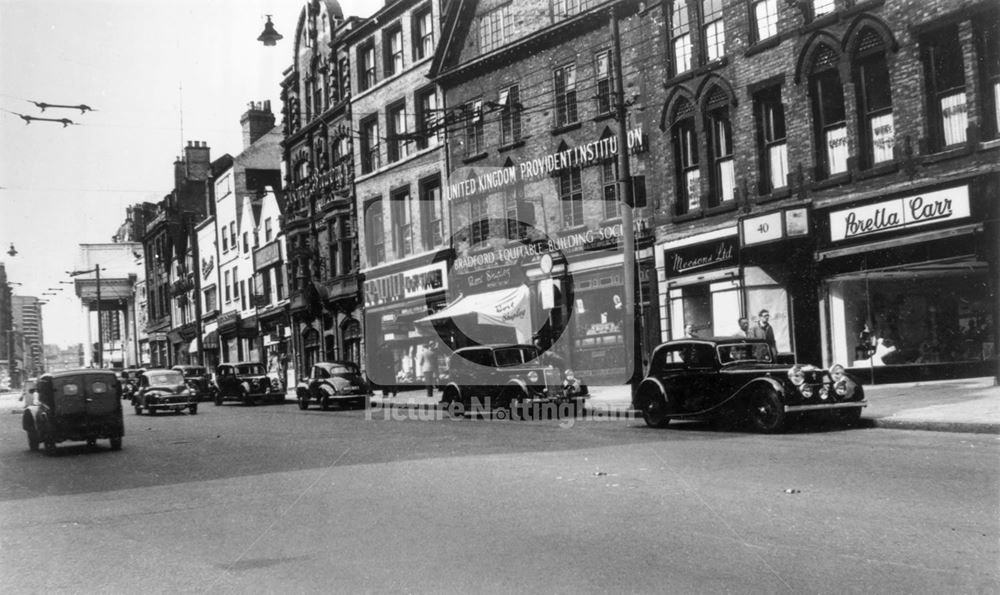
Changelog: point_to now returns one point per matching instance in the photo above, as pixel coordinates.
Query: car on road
(82, 405)
(333, 382)
(198, 380)
(506, 380)
(130, 381)
(737, 379)
(246, 382)
(163, 390)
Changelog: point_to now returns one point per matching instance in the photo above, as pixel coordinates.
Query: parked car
(499, 377)
(247, 382)
(163, 390)
(742, 379)
(130, 381)
(337, 382)
(198, 380)
(82, 405)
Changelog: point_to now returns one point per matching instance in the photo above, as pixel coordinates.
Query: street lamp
(100, 327)
(269, 36)
(12, 251)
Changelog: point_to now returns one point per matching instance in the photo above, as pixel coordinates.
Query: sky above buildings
(157, 74)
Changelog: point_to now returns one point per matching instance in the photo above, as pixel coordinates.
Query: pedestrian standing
(427, 360)
(689, 331)
(763, 330)
(744, 323)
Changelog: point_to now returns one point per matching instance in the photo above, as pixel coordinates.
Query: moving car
(333, 382)
(733, 377)
(163, 390)
(198, 380)
(498, 378)
(246, 382)
(83, 405)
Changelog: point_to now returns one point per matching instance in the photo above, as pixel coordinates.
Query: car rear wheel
(116, 443)
(33, 441)
(193, 409)
(655, 411)
(767, 414)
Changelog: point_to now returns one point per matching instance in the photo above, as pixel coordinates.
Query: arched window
(685, 145)
(829, 116)
(719, 128)
(871, 81)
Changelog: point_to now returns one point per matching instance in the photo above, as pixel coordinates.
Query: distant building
(134, 226)
(63, 358)
(27, 313)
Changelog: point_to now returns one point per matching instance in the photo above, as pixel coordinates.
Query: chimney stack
(257, 121)
(198, 158)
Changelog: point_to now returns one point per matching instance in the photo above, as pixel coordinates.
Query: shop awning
(506, 308)
(210, 340)
(913, 238)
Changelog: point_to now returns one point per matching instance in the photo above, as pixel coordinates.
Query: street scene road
(269, 498)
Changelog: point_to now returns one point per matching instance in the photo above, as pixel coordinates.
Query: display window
(597, 318)
(705, 309)
(917, 317)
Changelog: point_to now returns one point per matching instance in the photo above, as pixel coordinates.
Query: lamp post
(100, 327)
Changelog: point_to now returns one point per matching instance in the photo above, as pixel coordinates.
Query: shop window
(392, 47)
(366, 65)
(510, 115)
(829, 115)
(495, 29)
(473, 112)
(944, 71)
(402, 223)
(564, 79)
(871, 82)
(765, 19)
(423, 33)
(374, 233)
(479, 221)
(988, 47)
(771, 141)
(680, 36)
(722, 181)
(604, 85)
(369, 144)
(714, 30)
(397, 140)
(597, 325)
(427, 113)
(431, 213)
(685, 146)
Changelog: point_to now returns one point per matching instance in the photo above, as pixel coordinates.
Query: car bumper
(825, 406)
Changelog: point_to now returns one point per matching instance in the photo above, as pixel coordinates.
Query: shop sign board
(900, 213)
(266, 255)
(415, 282)
(710, 255)
(775, 226)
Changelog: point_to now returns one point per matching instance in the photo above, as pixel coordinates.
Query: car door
(316, 379)
(100, 400)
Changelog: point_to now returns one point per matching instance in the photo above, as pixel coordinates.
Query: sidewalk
(967, 405)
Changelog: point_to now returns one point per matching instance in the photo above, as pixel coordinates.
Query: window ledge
(832, 181)
(989, 145)
(776, 194)
(611, 221)
(722, 208)
(566, 128)
(476, 157)
(889, 167)
(946, 154)
(690, 216)
(514, 145)
(605, 116)
(762, 45)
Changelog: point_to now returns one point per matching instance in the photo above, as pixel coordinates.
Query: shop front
(909, 284)
(210, 345)
(229, 343)
(159, 350)
(393, 304)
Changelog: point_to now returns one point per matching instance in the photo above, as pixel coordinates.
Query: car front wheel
(655, 411)
(33, 441)
(325, 403)
(193, 409)
(767, 414)
(303, 401)
(116, 443)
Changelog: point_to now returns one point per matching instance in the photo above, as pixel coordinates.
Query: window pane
(715, 40)
(821, 7)
(883, 138)
(682, 54)
(954, 120)
(727, 180)
(766, 16)
(777, 156)
(836, 150)
(692, 183)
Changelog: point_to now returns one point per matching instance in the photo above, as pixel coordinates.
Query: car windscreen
(165, 378)
(343, 370)
(513, 356)
(744, 353)
(250, 370)
(189, 372)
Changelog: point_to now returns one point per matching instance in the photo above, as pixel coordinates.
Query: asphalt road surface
(272, 499)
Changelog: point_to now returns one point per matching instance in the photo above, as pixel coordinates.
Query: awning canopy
(479, 315)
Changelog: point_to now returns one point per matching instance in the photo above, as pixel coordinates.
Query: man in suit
(763, 330)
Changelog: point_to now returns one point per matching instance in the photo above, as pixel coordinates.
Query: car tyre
(217, 398)
(138, 409)
(849, 417)
(116, 443)
(50, 447)
(655, 410)
(324, 403)
(193, 409)
(33, 441)
(767, 415)
(303, 401)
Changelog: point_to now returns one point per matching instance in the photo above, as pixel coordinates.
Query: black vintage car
(337, 382)
(246, 382)
(735, 378)
(161, 390)
(82, 405)
(502, 378)
(198, 380)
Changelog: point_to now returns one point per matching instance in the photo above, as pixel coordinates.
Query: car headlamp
(806, 390)
(532, 376)
(796, 375)
(841, 388)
